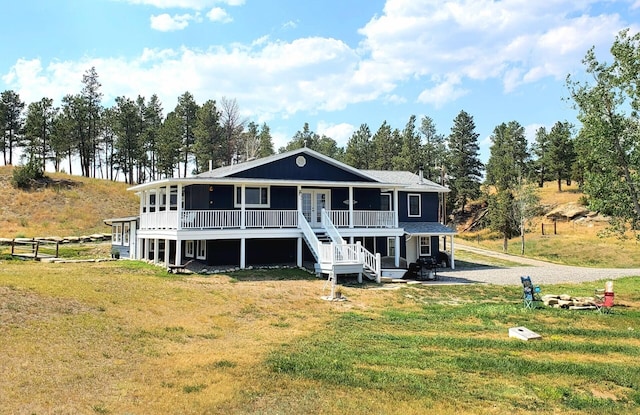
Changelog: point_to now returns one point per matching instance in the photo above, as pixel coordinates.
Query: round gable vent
(301, 161)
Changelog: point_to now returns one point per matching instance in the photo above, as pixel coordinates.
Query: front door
(313, 201)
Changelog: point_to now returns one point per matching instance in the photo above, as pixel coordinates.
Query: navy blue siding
(429, 205)
(284, 197)
(287, 169)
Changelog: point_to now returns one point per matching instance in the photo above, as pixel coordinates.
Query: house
(298, 207)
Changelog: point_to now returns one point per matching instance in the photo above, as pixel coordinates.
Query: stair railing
(330, 228)
(309, 236)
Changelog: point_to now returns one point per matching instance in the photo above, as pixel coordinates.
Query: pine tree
(464, 163)
(561, 153)
(209, 137)
(186, 111)
(359, 148)
(11, 123)
(266, 141)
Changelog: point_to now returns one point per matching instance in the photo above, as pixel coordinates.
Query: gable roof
(234, 169)
(410, 181)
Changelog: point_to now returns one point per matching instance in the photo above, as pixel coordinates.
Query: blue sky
(332, 63)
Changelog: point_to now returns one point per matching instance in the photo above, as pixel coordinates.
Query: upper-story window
(385, 202)
(414, 205)
(254, 196)
(173, 198)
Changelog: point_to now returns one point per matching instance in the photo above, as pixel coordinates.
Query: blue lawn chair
(530, 293)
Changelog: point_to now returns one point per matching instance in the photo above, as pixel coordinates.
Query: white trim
(238, 204)
(189, 249)
(409, 196)
(116, 234)
(423, 245)
(201, 249)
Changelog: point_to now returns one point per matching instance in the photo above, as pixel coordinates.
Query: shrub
(24, 176)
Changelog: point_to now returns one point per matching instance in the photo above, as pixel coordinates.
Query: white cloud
(167, 23)
(445, 91)
(219, 15)
(185, 4)
(339, 132)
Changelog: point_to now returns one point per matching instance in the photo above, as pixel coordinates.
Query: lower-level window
(425, 246)
(116, 234)
(391, 246)
(125, 234)
(189, 249)
(201, 252)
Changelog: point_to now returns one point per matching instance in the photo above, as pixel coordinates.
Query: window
(425, 246)
(152, 201)
(173, 198)
(116, 234)
(188, 249)
(254, 196)
(201, 252)
(413, 203)
(385, 202)
(391, 246)
(125, 234)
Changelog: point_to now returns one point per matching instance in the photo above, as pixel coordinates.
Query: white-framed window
(125, 234)
(152, 201)
(391, 246)
(255, 196)
(116, 234)
(173, 198)
(385, 202)
(201, 251)
(414, 205)
(425, 246)
(189, 249)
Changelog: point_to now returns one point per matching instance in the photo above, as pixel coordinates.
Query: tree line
(135, 139)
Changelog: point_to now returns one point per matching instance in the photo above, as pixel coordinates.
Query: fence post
(57, 248)
(13, 245)
(554, 228)
(37, 243)
(542, 226)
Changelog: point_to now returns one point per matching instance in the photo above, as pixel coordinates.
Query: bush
(24, 176)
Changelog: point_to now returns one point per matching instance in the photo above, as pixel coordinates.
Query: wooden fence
(34, 248)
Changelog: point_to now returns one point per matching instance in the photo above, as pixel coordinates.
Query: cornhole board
(523, 333)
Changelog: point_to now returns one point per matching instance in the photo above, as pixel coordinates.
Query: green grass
(126, 337)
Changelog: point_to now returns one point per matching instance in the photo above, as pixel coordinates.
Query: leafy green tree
(560, 153)
(74, 109)
(359, 148)
(186, 111)
(151, 124)
(608, 111)
(501, 216)
(62, 143)
(465, 168)
(509, 156)
(38, 129)
(526, 206)
(434, 151)
(209, 137)
(11, 123)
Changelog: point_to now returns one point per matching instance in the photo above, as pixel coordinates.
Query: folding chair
(530, 293)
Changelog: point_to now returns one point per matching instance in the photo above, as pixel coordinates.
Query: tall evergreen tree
(38, 130)
(186, 111)
(152, 122)
(92, 100)
(509, 156)
(169, 145)
(128, 129)
(209, 137)
(560, 153)
(409, 156)
(266, 141)
(465, 167)
(540, 150)
(11, 123)
(434, 151)
(359, 148)
(384, 146)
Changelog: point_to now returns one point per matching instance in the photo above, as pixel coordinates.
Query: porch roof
(110, 221)
(409, 181)
(426, 228)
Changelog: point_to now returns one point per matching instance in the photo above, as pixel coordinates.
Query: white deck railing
(253, 218)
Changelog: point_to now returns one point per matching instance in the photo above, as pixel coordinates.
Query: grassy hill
(66, 206)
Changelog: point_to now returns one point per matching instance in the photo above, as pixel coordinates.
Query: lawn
(125, 337)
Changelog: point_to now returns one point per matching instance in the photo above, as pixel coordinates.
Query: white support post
(178, 260)
(396, 259)
(156, 248)
(351, 207)
(299, 253)
(147, 248)
(243, 223)
(243, 253)
(453, 256)
(167, 244)
(332, 276)
(179, 206)
(395, 208)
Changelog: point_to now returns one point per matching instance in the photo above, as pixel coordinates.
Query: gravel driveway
(540, 272)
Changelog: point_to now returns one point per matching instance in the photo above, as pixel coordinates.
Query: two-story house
(298, 207)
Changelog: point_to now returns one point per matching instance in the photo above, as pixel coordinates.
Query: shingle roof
(410, 180)
(426, 228)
